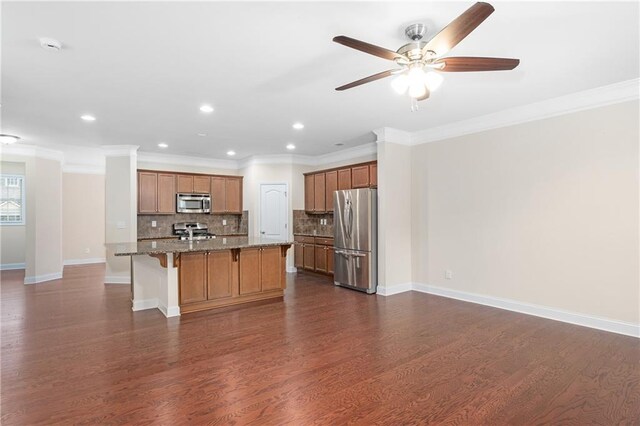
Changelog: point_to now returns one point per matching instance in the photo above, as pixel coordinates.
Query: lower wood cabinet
(192, 276)
(219, 274)
(309, 257)
(314, 254)
(298, 254)
(250, 271)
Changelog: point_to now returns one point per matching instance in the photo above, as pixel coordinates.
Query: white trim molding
(11, 266)
(119, 150)
(173, 311)
(391, 135)
(593, 98)
(292, 269)
(144, 304)
(117, 279)
(36, 279)
(575, 318)
(394, 289)
(69, 262)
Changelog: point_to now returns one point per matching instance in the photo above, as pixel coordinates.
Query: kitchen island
(178, 277)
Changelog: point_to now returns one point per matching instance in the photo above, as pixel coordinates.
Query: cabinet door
(218, 195)
(201, 184)
(147, 192)
(270, 268)
(298, 255)
(166, 193)
(373, 174)
(309, 194)
(330, 254)
(250, 271)
(331, 185)
(193, 276)
(319, 192)
(219, 277)
(185, 184)
(308, 255)
(360, 176)
(344, 179)
(233, 199)
(321, 258)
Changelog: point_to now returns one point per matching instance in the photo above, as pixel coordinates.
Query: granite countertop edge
(197, 246)
(302, 234)
(175, 237)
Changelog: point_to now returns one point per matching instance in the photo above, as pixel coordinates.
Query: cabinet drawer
(303, 239)
(324, 241)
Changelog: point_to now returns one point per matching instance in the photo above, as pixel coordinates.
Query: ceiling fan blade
(368, 48)
(470, 63)
(458, 29)
(365, 80)
(425, 96)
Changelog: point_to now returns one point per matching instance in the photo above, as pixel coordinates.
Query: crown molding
(185, 160)
(119, 150)
(623, 91)
(392, 135)
(31, 151)
(345, 154)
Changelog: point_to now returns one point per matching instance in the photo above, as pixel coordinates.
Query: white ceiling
(143, 69)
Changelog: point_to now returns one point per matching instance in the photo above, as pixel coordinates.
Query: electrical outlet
(153, 224)
(448, 274)
(224, 222)
(224, 240)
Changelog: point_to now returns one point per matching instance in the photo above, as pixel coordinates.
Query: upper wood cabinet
(320, 186)
(194, 184)
(156, 193)
(226, 194)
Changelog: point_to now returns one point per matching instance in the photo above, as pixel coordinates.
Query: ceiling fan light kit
(419, 60)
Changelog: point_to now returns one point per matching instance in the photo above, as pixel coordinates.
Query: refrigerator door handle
(347, 216)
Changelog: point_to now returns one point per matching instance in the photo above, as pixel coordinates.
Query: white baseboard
(141, 305)
(70, 262)
(35, 279)
(11, 266)
(173, 311)
(117, 279)
(394, 289)
(292, 269)
(605, 324)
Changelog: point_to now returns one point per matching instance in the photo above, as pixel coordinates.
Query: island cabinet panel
(360, 176)
(330, 260)
(373, 174)
(166, 193)
(185, 184)
(309, 193)
(344, 179)
(201, 184)
(331, 185)
(218, 195)
(147, 192)
(233, 199)
(319, 192)
(270, 268)
(250, 269)
(192, 276)
(219, 274)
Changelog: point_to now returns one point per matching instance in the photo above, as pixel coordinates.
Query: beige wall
(544, 213)
(12, 237)
(83, 217)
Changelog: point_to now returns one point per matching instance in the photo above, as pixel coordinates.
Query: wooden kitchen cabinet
(226, 195)
(192, 276)
(249, 273)
(219, 274)
(319, 189)
(270, 268)
(360, 176)
(309, 193)
(320, 253)
(314, 253)
(331, 185)
(308, 256)
(373, 174)
(344, 179)
(201, 184)
(298, 255)
(156, 193)
(184, 184)
(267, 276)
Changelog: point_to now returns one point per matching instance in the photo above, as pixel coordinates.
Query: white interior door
(274, 217)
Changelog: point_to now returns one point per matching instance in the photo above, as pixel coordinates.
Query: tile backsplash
(305, 223)
(236, 224)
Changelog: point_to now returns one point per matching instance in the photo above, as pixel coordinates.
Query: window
(11, 200)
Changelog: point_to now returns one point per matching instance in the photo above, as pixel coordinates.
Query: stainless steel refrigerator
(355, 218)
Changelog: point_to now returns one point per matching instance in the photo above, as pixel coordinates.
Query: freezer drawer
(354, 269)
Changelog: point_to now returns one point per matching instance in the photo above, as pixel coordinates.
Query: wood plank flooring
(72, 352)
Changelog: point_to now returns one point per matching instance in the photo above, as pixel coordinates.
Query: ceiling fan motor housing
(416, 31)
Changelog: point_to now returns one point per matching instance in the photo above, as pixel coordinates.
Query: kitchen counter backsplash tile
(304, 223)
(236, 224)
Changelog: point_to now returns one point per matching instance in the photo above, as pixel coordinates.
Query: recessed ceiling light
(163, 145)
(50, 43)
(291, 147)
(9, 139)
(88, 117)
(338, 144)
(206, 108)
(202, 134)
(298, 126)
(231, 153)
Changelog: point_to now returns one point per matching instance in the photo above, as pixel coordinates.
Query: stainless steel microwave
(193, 203)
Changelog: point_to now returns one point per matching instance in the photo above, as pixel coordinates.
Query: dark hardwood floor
(73, 352)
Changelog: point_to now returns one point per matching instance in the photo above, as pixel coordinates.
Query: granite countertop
(176, 246)
(300, 234)
(175, 237)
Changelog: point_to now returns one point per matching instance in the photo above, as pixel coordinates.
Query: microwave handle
(206, 204)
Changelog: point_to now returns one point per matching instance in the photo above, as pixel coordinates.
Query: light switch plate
(153, 223)
(224, 222)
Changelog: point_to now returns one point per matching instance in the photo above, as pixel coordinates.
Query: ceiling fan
(418, 59)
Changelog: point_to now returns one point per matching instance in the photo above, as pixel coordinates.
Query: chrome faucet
(190, 231)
